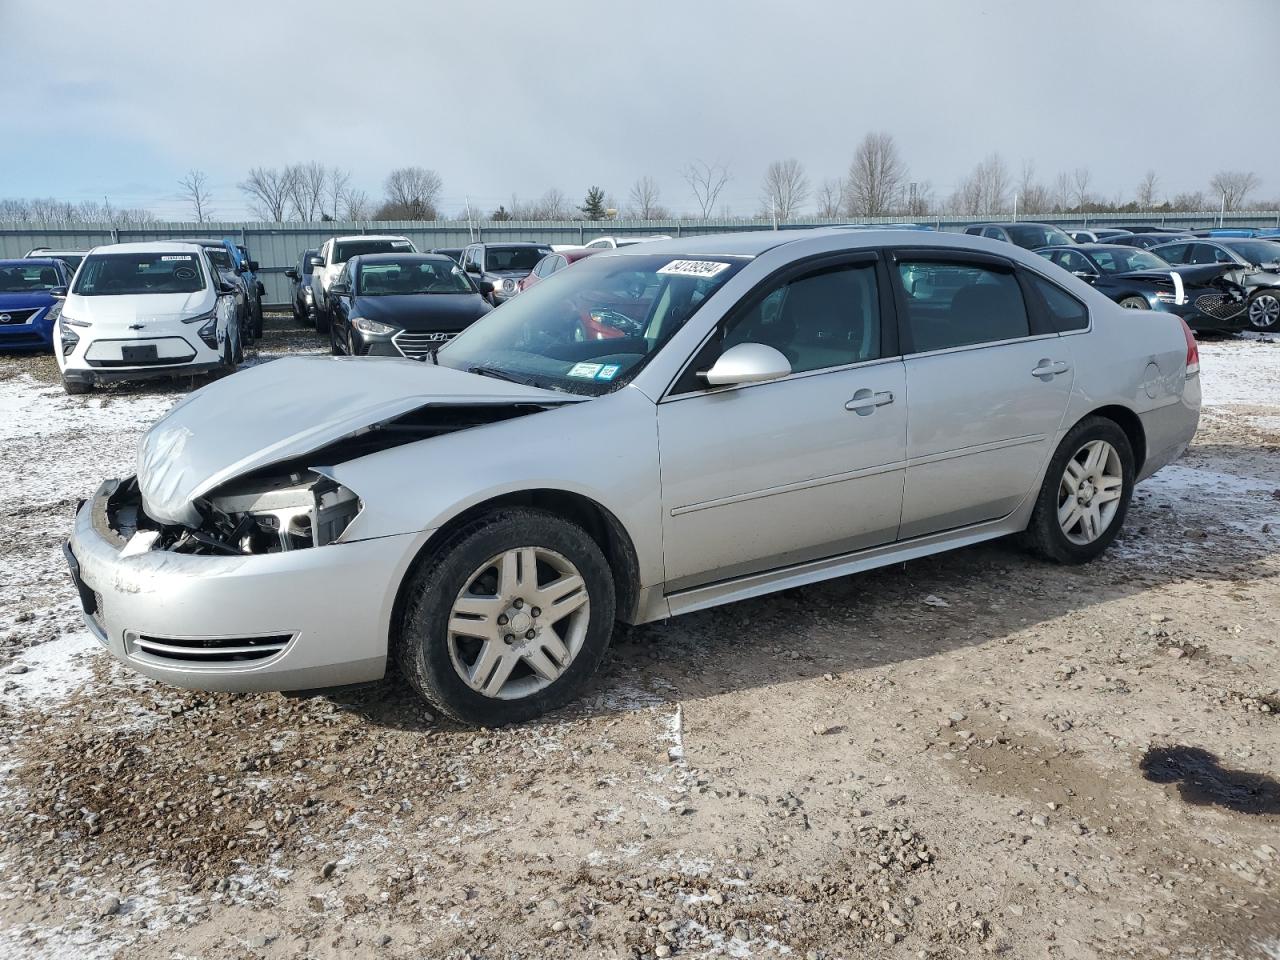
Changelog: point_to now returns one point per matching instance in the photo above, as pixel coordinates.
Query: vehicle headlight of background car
(373, 327)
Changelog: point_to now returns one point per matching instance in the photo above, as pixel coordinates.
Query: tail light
(1193, 350)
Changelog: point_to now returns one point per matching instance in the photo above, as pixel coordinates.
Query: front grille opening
(1219, 306)
(211, 649)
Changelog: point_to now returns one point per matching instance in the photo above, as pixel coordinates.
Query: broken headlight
(276, 513)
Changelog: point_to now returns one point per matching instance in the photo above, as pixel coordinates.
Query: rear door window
(957, 304)
(1065, 312)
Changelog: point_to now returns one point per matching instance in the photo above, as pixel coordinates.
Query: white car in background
(334, 253)
(613, 243)
(136, 311)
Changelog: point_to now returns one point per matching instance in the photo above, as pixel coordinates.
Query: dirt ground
(971, 754)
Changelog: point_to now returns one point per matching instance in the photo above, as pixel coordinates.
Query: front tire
(1264, 311)
(322, 322)
(507, 619)
(1134, 302)
(76, 387)
(1085, 494)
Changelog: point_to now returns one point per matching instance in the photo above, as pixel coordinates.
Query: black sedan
(402, 304)
(1202, 296)
(1144, 241)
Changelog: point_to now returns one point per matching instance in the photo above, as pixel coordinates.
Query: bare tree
(1146, 195)
(268, 190)
(194, 189)
(875, 179)
(985, 191)
(335, 191)
(49, 210)
(1062, 192)
(306, 190)
(356, 205)
(784, 189)
(1081, 177)
(1234, 187)
(706, 180)
(1033, 196)
(644, 199)
(830, 197)
(412, 194)
(1193, 201)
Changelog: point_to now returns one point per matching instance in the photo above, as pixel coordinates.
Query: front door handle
(864, 402)
(1047, 368)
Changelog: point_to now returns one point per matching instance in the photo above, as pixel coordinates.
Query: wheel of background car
(1264, 310)
(257, 322)
(1085, 495)
(228, 357)
(239, 353)
(507, 618)
(335, 348)
(322, 321)
(1134, 302)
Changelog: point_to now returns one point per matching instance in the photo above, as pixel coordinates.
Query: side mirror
(58, 293)
(291, 273)
(485, 287)
(341, 289)
(317, 261)
(253, 266)
(747, 363)
(226, 290)
(1086, 276)
(472, 268)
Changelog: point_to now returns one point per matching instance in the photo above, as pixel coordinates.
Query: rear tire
(495, 575)
(1072, 522)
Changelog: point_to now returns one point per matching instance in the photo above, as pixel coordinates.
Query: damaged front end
(254, 515)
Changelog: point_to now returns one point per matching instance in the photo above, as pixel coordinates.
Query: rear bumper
(299, 620)
(1170, 428)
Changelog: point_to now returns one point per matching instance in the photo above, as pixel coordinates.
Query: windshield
(1256, 251)
(28, 278)
(342, 252)
(412, 277)
(1032, 235)
(499, 259)
(1127, 260)
(126, 274)
(219, 257)
(589, 329)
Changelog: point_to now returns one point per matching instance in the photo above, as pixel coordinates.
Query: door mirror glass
(58, 293)
(291, 273)
(747, 363)
(317, 261)
(341, 289)
(485, 287)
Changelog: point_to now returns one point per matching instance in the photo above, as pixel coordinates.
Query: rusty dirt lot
(974, 754)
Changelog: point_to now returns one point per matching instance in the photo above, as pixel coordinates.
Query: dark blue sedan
(30, 301)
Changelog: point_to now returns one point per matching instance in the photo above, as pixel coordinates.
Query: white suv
(613, 243)
(141, 310)
(335, 252)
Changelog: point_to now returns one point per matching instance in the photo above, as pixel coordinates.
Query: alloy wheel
(1264, 311)
(1135, 303)
(519, 622)
(1089, 493)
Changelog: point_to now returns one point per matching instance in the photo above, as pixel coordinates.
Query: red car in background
(553, 263)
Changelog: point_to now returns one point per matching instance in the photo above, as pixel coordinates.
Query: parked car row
(1217, 280)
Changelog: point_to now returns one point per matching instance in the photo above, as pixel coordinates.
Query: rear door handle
(864, 402)
(1047, 368)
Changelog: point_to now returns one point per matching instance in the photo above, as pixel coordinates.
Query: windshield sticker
(184, 273)
(585, 371)
(693, 268)
(167, 259)
(608, 371)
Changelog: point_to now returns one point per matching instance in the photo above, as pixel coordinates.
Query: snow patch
(1245, 372)
(55, 670)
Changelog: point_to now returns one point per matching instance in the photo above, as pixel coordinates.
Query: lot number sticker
(585, 371)
(693, 268)
(167, 259)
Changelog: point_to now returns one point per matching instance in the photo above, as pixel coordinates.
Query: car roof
(511, 243)
(150, 246)
(29, 261)
(369, 236)
(392, 257)
(45, 252)
(1021, 223)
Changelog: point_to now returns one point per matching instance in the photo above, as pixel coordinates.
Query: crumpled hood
(287, 408)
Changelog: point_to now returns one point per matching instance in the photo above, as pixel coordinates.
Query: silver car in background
(661, 429)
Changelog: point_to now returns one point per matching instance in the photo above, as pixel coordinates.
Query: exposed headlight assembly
(373, 327)
(273, 514)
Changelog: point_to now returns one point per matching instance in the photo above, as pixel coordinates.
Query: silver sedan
(662, 428)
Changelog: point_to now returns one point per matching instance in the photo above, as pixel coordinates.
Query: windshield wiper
(496, 374)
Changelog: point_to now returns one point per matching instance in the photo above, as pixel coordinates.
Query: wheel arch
(1130, 423)
(597, 520)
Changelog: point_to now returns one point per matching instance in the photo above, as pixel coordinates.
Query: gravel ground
(966, 755)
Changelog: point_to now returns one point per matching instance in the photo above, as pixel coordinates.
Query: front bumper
(32, 335)
(297, 620)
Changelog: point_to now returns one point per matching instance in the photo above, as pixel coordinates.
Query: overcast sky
(120, 99)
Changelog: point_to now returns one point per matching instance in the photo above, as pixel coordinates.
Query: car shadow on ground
(913, 611)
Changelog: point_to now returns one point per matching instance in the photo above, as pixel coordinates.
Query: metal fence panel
(277, 246)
